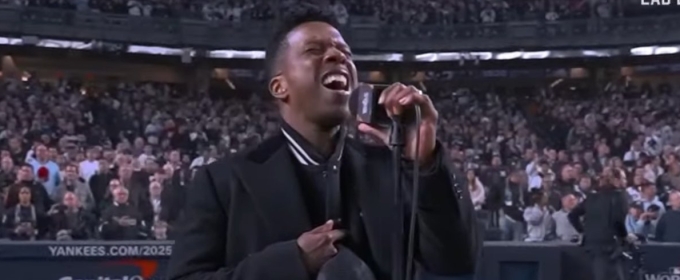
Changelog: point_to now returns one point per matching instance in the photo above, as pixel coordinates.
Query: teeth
(335, 78)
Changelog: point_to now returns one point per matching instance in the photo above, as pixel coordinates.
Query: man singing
(281, 209)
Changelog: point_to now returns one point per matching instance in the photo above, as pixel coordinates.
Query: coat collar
(305, 153)
(270, 179)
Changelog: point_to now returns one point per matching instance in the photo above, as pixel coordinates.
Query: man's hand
(396, 99)
(317, 245)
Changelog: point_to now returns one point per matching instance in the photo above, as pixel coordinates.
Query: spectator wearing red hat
(46, 171)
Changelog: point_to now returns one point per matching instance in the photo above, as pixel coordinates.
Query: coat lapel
(275, 189)
(372, 195)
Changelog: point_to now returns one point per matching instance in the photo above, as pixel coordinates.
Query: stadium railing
(64, 24)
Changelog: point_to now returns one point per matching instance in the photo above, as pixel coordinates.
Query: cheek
(354, 73)
(300, 77)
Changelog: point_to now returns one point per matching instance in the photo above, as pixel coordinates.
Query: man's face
(70, 200)
(585, 183)
(14, 143)
(569, 202)
(7, 163)
(635, 212)
(114, 184)
(25, 173)
(315, 54)
(674, 200)
(91, 155)
(120, 195)
(41, 152)
(125, 171)
(71, 173)
(53, 153)
(562, 156)
(155, 189)
(175, 156)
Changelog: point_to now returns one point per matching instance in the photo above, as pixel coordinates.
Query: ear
(278, 87)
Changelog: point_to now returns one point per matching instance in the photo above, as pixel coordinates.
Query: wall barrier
(96, 260)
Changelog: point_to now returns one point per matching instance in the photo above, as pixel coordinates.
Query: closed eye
(314, 51)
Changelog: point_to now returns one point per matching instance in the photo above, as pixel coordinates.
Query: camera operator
(604, 212)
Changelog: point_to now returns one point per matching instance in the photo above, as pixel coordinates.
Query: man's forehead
(314, 31)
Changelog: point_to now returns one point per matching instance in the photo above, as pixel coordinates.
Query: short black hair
(290, 19)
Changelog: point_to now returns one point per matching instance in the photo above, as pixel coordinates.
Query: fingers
(335, 235)
(398, 96)
(329, 240)
(377, 133)
(323, 228)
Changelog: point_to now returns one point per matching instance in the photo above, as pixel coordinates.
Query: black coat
(604, 213)
(244, 214)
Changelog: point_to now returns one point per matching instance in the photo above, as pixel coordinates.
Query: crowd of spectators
(531, 158)
(440, 12)
(112, 164)
(115, 162)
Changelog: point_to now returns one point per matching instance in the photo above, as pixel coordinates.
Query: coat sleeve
(200, 248)
(447, 231)
(575, 215)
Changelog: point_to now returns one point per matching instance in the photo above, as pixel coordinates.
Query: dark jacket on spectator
(495, 179)
(110, 229)
(668, 227)
(513, 206)
(79, 224)
(604, 213)
(99, 184)
(6, 179)
(146, 209)
(173, 195)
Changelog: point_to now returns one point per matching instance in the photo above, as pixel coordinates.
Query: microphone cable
(410, 247)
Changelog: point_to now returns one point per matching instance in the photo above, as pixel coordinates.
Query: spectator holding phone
(22, 221)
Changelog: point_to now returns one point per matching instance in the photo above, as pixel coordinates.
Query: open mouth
(336, 82)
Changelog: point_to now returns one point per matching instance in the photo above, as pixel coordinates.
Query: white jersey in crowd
(200, 161)
(88, 168)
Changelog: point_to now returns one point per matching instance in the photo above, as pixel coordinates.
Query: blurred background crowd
(117, 166)
(448, 12)
(115, 162)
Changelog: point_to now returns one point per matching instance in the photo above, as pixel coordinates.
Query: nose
(335, 56)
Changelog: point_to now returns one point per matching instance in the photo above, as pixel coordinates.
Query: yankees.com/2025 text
(110, 251)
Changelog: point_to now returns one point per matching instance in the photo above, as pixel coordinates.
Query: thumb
(377, 133)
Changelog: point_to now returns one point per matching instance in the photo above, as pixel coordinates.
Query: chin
(334, 119)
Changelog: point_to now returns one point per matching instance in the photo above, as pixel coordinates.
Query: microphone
(363, 104)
